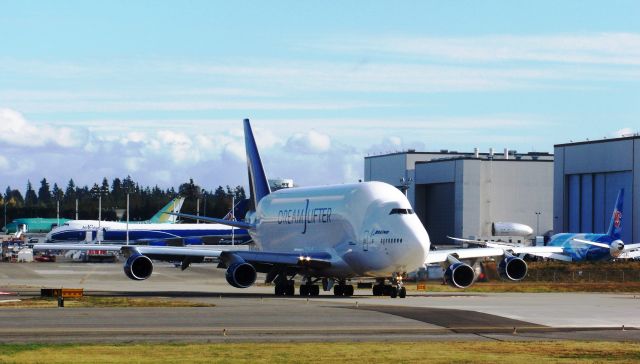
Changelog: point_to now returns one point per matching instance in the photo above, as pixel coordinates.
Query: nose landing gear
(393, 290)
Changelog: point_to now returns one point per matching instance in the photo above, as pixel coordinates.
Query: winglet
(258, 184)
(615, 226)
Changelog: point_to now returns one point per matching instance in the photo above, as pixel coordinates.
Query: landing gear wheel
(304, 290)
(279, 291)
(377, 290)
(403, 292)
(386, 290)
(348, 290)
(314, 290)
(393, 292)
(290, 289)
(338, 290)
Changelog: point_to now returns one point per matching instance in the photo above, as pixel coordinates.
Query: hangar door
(435, 208)
(591, 198)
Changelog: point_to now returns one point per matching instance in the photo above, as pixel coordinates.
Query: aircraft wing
(495, 250)
(630, 254)
(439, 256)
(262, 260)
(238, 224)
(552, 252)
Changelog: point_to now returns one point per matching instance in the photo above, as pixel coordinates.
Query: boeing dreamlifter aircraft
(328, 234)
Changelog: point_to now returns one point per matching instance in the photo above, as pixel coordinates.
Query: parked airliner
(576, 247)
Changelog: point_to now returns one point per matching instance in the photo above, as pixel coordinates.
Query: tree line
(144, 201)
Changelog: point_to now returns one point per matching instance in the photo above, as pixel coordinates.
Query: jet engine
(617, 246)
(459, 275)
(240, 274)
(512, 268)
(138, 267)
(510, 229)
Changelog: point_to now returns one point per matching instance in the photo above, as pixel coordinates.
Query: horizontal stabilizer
(594, 243)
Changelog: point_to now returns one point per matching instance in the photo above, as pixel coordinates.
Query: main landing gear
(285, 288)
(393, 290)
(308, 288)
(343, 289)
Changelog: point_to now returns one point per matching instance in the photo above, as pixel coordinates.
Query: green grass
(534, 287)
(369, 352)
(98, 301)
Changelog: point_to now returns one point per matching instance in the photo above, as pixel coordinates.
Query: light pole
(99, 191)
(404, 184)
(538, 223)
(127, 218)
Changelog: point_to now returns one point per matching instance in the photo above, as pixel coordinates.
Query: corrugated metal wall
(438, 213)
(591, 199)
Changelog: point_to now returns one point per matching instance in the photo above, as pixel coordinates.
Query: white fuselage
(369, 228)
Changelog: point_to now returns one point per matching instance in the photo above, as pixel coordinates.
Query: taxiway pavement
(254, 314)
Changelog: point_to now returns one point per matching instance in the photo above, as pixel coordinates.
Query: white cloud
(624, 132)
(4, 163)
(599, 48)
(16, 130)
(311, 142)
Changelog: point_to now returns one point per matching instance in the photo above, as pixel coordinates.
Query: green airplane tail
(161, 217)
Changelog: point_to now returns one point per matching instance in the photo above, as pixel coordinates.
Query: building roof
(470, 155)
(631, 137)
(497, 158)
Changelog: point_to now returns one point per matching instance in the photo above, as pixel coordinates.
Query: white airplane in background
(328, 234)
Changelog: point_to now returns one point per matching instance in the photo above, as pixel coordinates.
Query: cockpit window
(401, 212)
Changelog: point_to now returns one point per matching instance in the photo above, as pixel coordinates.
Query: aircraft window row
(401, 212)
(390, 240)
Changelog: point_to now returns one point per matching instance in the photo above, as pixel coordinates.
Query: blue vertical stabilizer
(615, 226)
(258, 183)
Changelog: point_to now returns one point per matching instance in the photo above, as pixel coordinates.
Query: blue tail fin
(615, 226)
(258, 184)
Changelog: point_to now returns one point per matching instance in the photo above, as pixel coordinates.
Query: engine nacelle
(510, 229)
(138, 267)
(241, 274)
(617, 246)
(459, 275)
(512, 268)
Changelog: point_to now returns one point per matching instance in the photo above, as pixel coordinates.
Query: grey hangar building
(572, 190)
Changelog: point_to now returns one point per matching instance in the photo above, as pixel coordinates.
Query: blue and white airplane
(159, 230)
(575, 247)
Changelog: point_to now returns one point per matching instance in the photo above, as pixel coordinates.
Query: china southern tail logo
(617, 217)
(305, 216)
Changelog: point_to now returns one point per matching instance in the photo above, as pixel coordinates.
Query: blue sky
(158, 89)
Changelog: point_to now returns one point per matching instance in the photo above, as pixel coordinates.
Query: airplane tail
(615, 226)
(161, 217)
(258, 184)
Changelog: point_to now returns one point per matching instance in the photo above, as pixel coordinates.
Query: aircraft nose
(422, 243)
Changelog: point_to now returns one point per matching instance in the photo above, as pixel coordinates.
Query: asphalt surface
(254, 314)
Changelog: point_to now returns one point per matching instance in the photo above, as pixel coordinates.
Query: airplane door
(365, 241)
